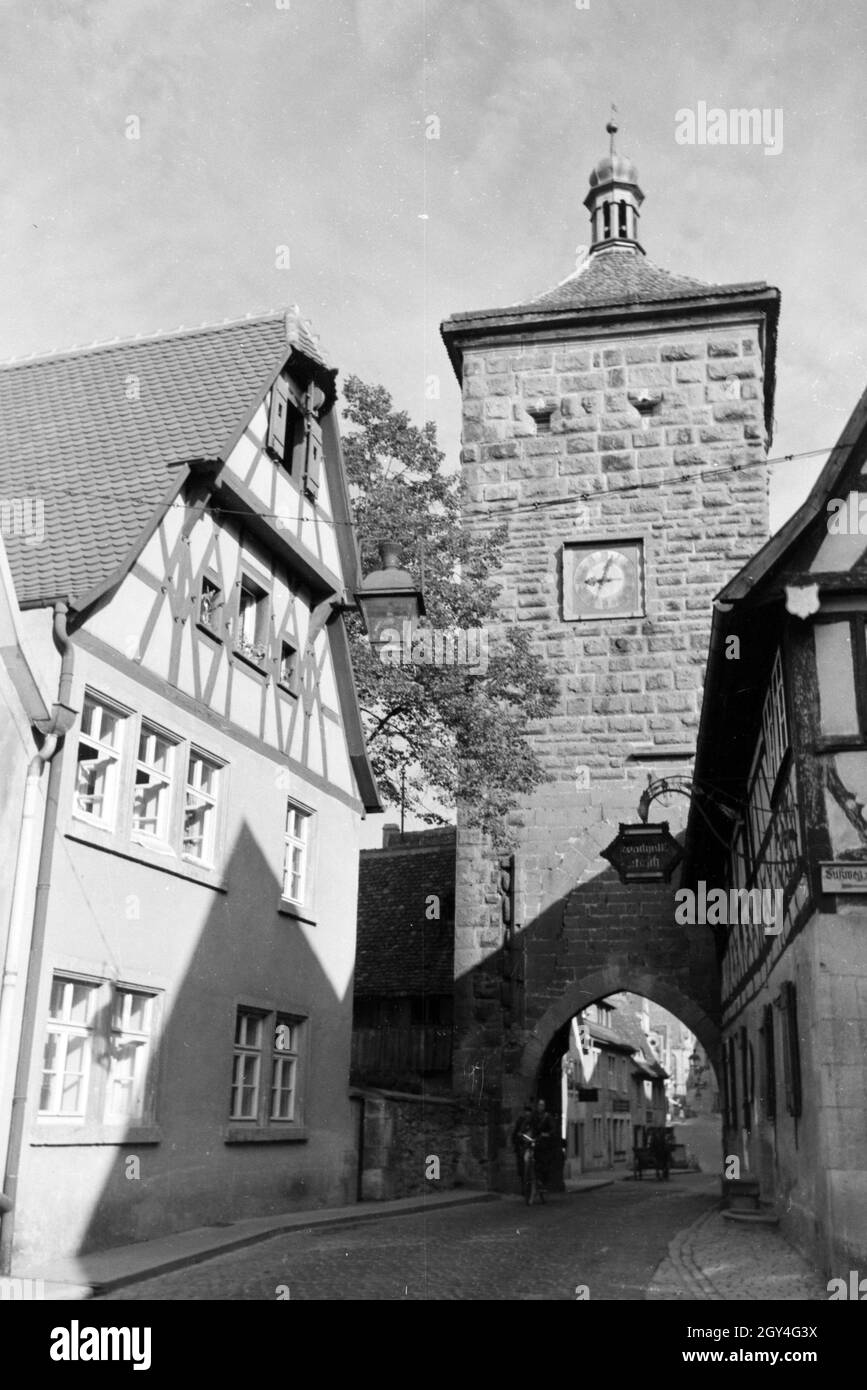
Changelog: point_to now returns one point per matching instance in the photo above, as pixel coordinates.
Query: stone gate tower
(618, 426)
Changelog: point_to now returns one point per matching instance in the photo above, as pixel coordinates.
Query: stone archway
(578, 996)
(525, 1080)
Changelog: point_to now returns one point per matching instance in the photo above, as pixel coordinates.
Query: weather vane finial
(612, 126)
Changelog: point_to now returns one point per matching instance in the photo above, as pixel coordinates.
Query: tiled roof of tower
(614, 277)
(398, 950)
(99, 435)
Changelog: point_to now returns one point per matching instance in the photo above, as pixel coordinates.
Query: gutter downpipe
(62, 719)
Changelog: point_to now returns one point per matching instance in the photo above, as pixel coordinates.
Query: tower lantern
(614, 200)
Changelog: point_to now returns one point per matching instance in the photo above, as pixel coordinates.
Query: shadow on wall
(512, 1010)
(203, 1168)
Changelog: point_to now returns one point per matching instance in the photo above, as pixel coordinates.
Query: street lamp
(389, 598)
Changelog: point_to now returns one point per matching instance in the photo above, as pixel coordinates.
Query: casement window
(98, 1052)
(266, 1068)
(211, 605)
(770, 1068)
(130, 780)
(67, 1054)
(131, 1033)
(284, 1068)
(246, 1066)
(200, 808)
(152, 797)
(841, 668)
(296, 853)
(251, 626)
(787, 1003)
(100, 748)
(766, 851)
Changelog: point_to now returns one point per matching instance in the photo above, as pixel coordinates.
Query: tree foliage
(453, 736)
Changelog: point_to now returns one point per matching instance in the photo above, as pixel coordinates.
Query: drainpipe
(62, 719)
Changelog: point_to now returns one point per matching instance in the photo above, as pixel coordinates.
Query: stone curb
(695, 1281)
(198, 1252)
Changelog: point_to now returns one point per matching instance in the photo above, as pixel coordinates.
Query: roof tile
(77, 439)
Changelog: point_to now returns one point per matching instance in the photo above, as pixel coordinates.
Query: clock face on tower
(603, 580)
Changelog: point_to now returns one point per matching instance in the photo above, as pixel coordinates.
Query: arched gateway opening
(617, 1063)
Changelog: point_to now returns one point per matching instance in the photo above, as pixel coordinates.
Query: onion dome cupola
(614, 200)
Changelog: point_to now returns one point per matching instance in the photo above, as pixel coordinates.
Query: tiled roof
(98, 436)
(616, 277)
(398, 951)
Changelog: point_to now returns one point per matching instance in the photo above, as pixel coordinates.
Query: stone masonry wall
(627, 686)
(402, 1133)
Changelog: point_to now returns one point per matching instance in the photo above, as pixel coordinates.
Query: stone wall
(629, 688)
(402, 1133)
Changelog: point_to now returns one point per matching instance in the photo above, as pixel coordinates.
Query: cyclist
(518, 1144)
(542, 1130)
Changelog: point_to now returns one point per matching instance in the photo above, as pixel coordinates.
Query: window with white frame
(98, 758)
(129, 1054)
(98, 1052)
(296, 850)
(68, 1049)
(200, 808)
(251, 628)
(284, 1068)
(246, 1066)
(152, 797)
(266, 1068)
(129, 779)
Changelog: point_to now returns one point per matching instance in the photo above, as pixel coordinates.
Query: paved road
(611, 1239)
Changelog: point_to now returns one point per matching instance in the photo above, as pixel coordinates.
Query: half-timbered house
(781, 773)
(183, 1051)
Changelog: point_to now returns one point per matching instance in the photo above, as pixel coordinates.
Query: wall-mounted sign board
(843, 877)
(643, 853)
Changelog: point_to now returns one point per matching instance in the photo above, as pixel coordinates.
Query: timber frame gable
(796, 617)
(231, 590)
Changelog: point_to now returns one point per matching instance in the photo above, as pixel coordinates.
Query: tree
(450, 734)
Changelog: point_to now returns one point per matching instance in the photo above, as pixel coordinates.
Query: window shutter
(747, 1079)
(732, 1087)
(793, 1054)
(278, 418)
(313, 457)
(770, 1065)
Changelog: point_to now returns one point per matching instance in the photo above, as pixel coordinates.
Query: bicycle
(530, 1187)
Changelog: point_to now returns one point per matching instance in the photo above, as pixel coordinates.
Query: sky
(178, 162)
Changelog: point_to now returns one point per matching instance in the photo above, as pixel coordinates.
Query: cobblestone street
(614, 1240)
